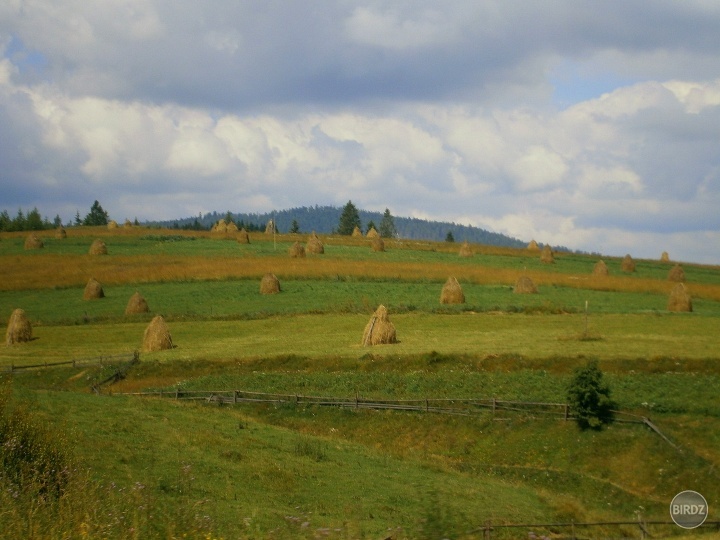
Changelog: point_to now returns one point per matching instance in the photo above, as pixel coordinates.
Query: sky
(592, 125)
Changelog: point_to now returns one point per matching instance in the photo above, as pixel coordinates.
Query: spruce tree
(97, 215)
(349, 219)
(387, 225)
(589, 397)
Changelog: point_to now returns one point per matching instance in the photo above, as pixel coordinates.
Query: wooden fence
(454, 406)
(645, 529)
(78, 362)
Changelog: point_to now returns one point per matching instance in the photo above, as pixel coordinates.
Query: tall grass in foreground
(46, 493)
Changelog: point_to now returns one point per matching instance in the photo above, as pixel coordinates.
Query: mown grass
(288, 472)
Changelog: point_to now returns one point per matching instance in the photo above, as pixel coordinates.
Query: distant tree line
(32, 221)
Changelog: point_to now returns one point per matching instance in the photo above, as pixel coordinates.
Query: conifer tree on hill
(349, 219)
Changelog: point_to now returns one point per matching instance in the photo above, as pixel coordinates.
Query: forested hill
(324, 220)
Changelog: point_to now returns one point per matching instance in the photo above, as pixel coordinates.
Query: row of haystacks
(33, 241)
(112, 224)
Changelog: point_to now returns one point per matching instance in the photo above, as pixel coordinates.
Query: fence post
(427, 405)
(567, 411)
(177, 393)
(235, 396)
(494, 406)
(488, 534)
(357, 398)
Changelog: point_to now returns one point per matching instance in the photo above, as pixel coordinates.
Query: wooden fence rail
(77, 362)
(534, 528)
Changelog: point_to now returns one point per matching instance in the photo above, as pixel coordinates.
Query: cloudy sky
(591, 124)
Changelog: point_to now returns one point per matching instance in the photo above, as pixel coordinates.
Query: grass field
(171, 468)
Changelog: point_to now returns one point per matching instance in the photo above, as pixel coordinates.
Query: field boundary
(92, 361)
(453, 406)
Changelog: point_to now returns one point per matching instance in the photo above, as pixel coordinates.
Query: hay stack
(357, 231)
(297, 251)
(98, 247)
(664, 257)
(379, 330)
(372, 233)
(157, 336)
(600, 269)
(547, 255)
(93, 290)
(270, 227)
(60, 233)
(19, 329)
(452, 292)
(466, 250)
(269, 284)
(220, 227)
(128, 224)
(314, 245)
(525, 285)
(231, 227)
(676, 274)
(112, 224)
(136, 304)
(628, 265)
(243, 237)
(33, 242)
(533, 246)
(377, 244)
(679, 299)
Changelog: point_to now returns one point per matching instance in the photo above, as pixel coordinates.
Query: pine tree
(449, 237)
(387, 225)
(370, 225)
(97, 215)
(294, 227)
(349, 219)
(589, 397)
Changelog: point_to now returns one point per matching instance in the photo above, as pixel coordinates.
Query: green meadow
(143, 467)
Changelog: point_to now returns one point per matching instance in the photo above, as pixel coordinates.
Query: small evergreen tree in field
(349, 219)
(370, 225)
(589, 397)
(449, 237)
(294, 227)
(387, 225)
(97, 215)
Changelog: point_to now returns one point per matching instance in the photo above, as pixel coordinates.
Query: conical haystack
(33, 242)
(93, 290)
(269, 284)
(533, 246)
(270, 227)
(372, 233)
(231, 227)
(220, 227)
(297, 251)
(679, 299)
(112, 224)
(664, 257)
(676, 274)
(525, 285)
(60, 233)
(628, 265)
(157, 336)
(98, 247)
(600, 269)
(377, 244)
(357, 231)
(379, 330)
(19, 329)
(128, 224)
(314, 245)
(546, 255)
(466, 250)
(243, 237)
(136, 304)
(452, 292)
